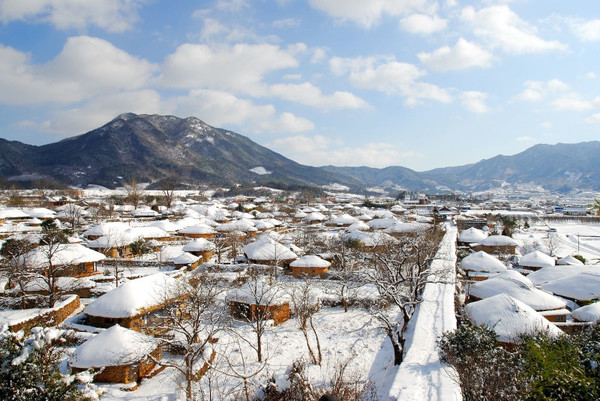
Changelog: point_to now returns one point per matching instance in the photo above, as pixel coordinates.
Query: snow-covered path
(421, 376)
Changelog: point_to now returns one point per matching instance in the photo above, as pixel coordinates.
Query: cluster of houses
(518, 294)
(129, 318)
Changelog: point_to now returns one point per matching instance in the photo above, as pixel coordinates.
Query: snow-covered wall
(421, 376)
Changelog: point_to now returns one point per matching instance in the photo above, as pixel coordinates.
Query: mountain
(558, 168)
(152, 147)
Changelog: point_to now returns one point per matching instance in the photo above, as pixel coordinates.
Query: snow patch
(260, 170)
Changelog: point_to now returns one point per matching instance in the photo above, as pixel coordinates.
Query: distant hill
(151, 148)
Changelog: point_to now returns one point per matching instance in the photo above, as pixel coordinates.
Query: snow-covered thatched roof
(185, 259)
(258, 293)
(509, 318)
(588, 313)
(115, 346)
(371, 239)
(536, 259)
(382, 223)
(499, 240)
(135, 297)
(267, 249)
(580, 287)
(199, 245)
(518, 288)
(199, 228)
(482, 262)
(60, 255)
(406, 228)
(472, 235)
(310, 261)
(569, 261)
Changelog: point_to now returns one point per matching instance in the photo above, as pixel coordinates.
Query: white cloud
(591, 75)
(287, 23)
(538, 90)
(503, 29)
(546, 124)
(423, 24)
(220, 108)
(587, 31)
(474, 101)
(462, 56)
(525, 139)
(573, 102)
(239, 68)
(319, 150)
(369, 13)
(319, 54)
(593, 119)
(102, 109)
(389, 76)
(231, 5)
(86, 67)
(111, 15)
(308, 94)
(212, 27)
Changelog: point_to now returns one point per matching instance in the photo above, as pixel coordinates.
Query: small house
(119, 355)
(200, 247)
(266, 250)
(309, 265)
(137, 305)
(256, 300)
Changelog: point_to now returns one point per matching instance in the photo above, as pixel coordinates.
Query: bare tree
(169, 185)
(254, 303)
(194, 325)
(134, 191)
(73, 214)
(15, 267)
(400, 274)
(552, 243)
(305, 305)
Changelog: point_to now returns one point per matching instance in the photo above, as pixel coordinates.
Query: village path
(421, 376)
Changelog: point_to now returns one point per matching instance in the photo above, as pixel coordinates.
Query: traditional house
(200, 247)
(471, 235)
(198, 231)
(509, 318)
(186, 260)
(399, 229)
(480, 265)
(583, 288)
(536, 260)
(73, 260)
(309, 265)
(119, 355)
(138, 304)
(498, 244)
(266, 250)
(256, 300)
(519, 287)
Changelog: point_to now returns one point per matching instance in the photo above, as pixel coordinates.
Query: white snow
(421, 375)
(588, 313)
(482, 262)
(260, 170)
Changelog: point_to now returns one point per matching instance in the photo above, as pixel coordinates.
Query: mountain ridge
(153, 147)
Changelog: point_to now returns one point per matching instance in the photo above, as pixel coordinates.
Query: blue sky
(415, 83)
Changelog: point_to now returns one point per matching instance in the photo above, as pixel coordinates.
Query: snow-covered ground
(421, 375)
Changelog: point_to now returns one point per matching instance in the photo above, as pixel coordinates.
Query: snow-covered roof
(62, 254)
(499, 240)
(166, 225)
(243, 225)
(569, 261)
(41, 213)
(267, 249)
(197, 229)
(371, 239)
(482, 262)
(381, 223)
(185, 258)
(588, 313)
(258, 293)
(405, 228)
(536, 259)
(508, 317)
(115, 346)
(471, 235)
(12, 213)
(133, 297)
(310, 261)
(581, 287)
(552, 273)
(359, 226)
(517, 288)
(315, 216)
(199, 245)
(109, 228)
(343, 220)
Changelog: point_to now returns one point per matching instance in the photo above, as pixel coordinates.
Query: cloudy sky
(416, 83)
